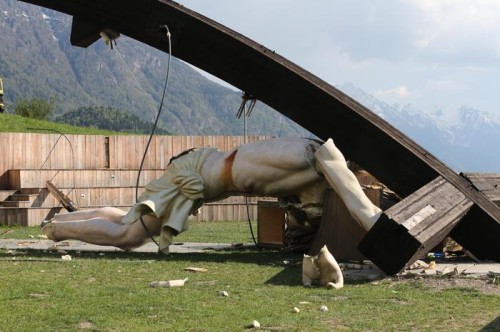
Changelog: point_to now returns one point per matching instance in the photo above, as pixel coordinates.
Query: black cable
(163, 28)
(72, 156)
(246, 113)
(250, 224)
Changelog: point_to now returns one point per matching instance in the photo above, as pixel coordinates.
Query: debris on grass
(66, 257)
(223, 293)
(323, 308)
(169, 283)
(195, 269)
(296, 310)
(255, 324)
(7, 232)
(419, 264)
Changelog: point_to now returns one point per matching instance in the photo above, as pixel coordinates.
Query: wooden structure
(488, 245)
(415, 225)
(487, 183)
(103, 172)
(361, 135)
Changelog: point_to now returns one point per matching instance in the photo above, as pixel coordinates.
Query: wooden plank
(409, 229)
(486, 183)
(63, 199)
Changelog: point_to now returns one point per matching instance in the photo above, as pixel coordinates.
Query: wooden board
(65, 201)
(486, 183)
(409, 229)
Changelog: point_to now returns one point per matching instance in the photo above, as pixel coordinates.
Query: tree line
(99, 117)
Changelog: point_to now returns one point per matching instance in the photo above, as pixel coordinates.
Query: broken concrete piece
(255, 324)
(169, 283)
(195, 269)
(323, 268)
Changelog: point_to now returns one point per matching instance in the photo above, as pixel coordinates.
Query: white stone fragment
(169, 283)
(255, 324)
(323, 308)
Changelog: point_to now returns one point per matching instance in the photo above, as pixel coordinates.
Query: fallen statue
(294, 169)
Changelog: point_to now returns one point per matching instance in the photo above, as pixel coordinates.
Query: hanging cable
(72, 156)
(246, 113)
(164, 29)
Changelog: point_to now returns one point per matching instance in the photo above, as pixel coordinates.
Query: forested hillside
(108, 118)
(37, 60)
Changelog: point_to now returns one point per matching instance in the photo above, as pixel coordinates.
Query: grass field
(110, 292)
(18, 124)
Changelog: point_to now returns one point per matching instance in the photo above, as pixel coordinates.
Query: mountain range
(37, 60)
(467, 139)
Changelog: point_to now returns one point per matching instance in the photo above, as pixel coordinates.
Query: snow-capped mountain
(467, 140)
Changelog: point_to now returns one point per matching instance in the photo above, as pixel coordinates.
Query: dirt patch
(485, 285)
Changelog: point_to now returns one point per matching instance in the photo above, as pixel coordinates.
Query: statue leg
(110, 213)
(104, 231)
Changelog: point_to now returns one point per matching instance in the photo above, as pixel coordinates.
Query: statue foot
(49, 230)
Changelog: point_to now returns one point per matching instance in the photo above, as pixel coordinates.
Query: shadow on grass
(289, 262)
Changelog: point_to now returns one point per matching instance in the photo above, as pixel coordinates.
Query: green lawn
(18, 124)
(110, 292)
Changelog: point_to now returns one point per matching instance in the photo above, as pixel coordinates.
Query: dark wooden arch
(362, 136)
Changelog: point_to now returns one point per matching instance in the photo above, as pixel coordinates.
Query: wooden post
(409, 229)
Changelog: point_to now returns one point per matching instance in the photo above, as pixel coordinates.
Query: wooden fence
(26, 157)
(53, 151)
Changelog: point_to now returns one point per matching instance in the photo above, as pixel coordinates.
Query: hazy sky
(431, 53)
